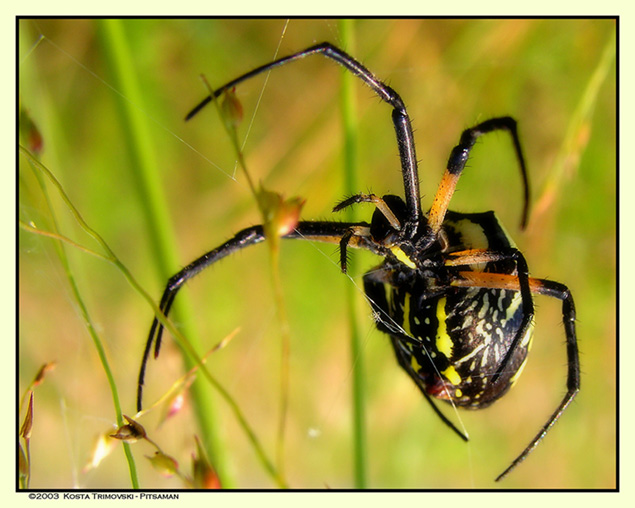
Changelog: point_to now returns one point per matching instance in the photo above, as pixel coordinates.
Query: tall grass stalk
(152, 200)
(162, 235)
(350, 142)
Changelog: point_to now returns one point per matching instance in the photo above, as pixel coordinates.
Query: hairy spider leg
(456, 164)
(554, 290)
(327, 232)
(401, 121)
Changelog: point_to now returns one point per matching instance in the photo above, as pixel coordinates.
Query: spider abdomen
(463, 338)
(452, 340)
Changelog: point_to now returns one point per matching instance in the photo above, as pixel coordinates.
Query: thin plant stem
(178, 336)
(272, 208)
(97, 342)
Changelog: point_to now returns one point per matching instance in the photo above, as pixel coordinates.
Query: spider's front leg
(456, 164)
(327, 232)
(400, 119)
(245, 238)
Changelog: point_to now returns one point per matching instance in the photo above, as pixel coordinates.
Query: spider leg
(245, 238)
(329, 232)
(353, 232)
(554, 290)
(381, 205)
(400, 118)
(486, 279)
(456, 163)
(404, 360)
(560, 291)
(390, 210)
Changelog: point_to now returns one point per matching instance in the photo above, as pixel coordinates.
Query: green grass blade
(578, 132)
(151, 197)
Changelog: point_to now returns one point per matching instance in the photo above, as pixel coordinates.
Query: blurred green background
(451, 74)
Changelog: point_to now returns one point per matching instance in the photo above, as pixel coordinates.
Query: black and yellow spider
(453, 292)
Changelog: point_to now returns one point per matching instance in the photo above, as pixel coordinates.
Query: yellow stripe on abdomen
(443, 340)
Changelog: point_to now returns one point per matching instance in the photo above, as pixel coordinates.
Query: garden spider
(453, 292)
